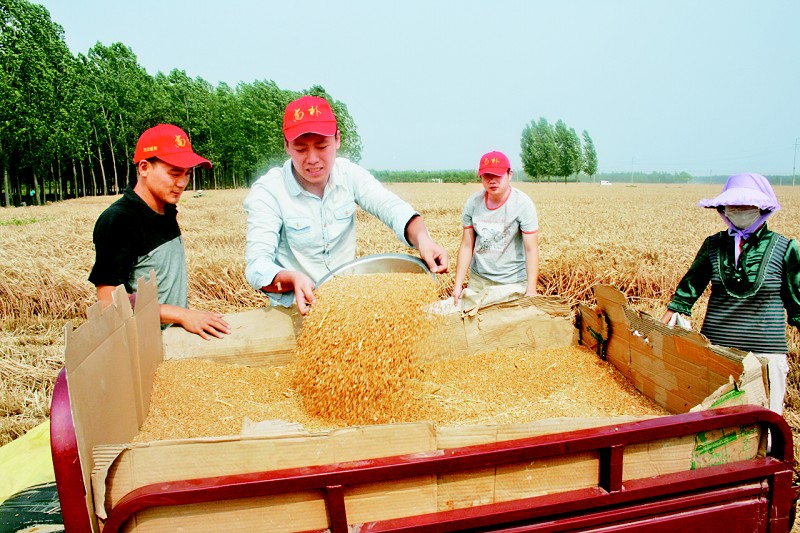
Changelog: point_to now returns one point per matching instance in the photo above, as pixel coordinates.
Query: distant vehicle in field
(605, 182)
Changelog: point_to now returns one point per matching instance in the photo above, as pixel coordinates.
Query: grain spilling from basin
(357, 350)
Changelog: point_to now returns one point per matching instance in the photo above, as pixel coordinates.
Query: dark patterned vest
(752, 319)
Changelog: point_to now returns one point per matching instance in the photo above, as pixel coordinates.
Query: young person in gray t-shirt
(500, 242)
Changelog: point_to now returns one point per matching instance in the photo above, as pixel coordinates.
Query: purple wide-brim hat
(745, 189)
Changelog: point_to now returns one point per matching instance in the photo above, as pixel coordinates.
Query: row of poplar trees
(550, 151)
(69, 124)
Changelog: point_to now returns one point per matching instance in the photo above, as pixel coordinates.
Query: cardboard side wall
(141, 465)
(106, 376)
(675, 367)
(268, 337)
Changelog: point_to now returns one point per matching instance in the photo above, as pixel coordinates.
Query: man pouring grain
(139, 232)
(301, 217)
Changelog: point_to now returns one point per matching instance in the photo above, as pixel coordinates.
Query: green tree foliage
(33, 59)
(589, 156)
(262, 123)
(69, 125)
(434, 176)
(555, 150)
(570, 159)
(119, 90)
(539, 154)
(351, 141)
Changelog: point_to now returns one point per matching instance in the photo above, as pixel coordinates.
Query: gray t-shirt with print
(499, 254)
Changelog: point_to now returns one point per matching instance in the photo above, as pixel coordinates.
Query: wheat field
(639, 238)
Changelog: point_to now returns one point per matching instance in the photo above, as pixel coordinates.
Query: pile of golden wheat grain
(194, 398)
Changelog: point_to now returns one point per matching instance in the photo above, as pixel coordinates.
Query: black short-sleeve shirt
(130, 239)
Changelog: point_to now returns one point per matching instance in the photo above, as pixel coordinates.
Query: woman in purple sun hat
(755, 279)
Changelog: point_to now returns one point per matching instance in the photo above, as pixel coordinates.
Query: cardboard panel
(459, 490)
(459, 436)
(282, 513)
(722, 446)
(103, 392)
(382, 501)
(750, 389)
(611, 301)
(390, 499)
(518, 324)
(261, 337)
(147, 351)
(657, 458)
(546, 476)
(141, 465)
(589, 322)
(675, 367)
(648, 367)
(82, 342)
(670, 399)
(267, 337)
(477, 487)
(618, 348)
(536, 323)
(365, 442)
(173, 460)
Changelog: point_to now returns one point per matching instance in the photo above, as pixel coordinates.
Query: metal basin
(380, 264)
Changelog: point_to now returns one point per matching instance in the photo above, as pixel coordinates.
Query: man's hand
(292, 280)
(434, 255)
(667, 316)
(303, 292)
(204, 323)
(429, 250)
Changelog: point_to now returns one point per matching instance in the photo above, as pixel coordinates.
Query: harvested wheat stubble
(357, 351)
(194, 398)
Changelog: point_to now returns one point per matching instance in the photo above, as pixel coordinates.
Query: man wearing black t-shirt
(139, 232)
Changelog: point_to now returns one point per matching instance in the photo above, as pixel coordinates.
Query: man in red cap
(139, 232)
(500, 240)
(301, 216)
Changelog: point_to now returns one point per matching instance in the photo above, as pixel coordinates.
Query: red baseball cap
(308, 114)
(495, 163)
(171, 145)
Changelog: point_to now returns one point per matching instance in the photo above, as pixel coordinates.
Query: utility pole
(794, 163)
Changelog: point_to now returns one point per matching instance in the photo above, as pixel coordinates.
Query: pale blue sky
(695, 85)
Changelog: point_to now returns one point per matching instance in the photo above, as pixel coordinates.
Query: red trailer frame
(748, 496)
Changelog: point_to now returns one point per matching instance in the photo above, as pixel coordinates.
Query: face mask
(742, 216)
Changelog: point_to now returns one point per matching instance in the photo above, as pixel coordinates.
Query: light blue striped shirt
(289, 228)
